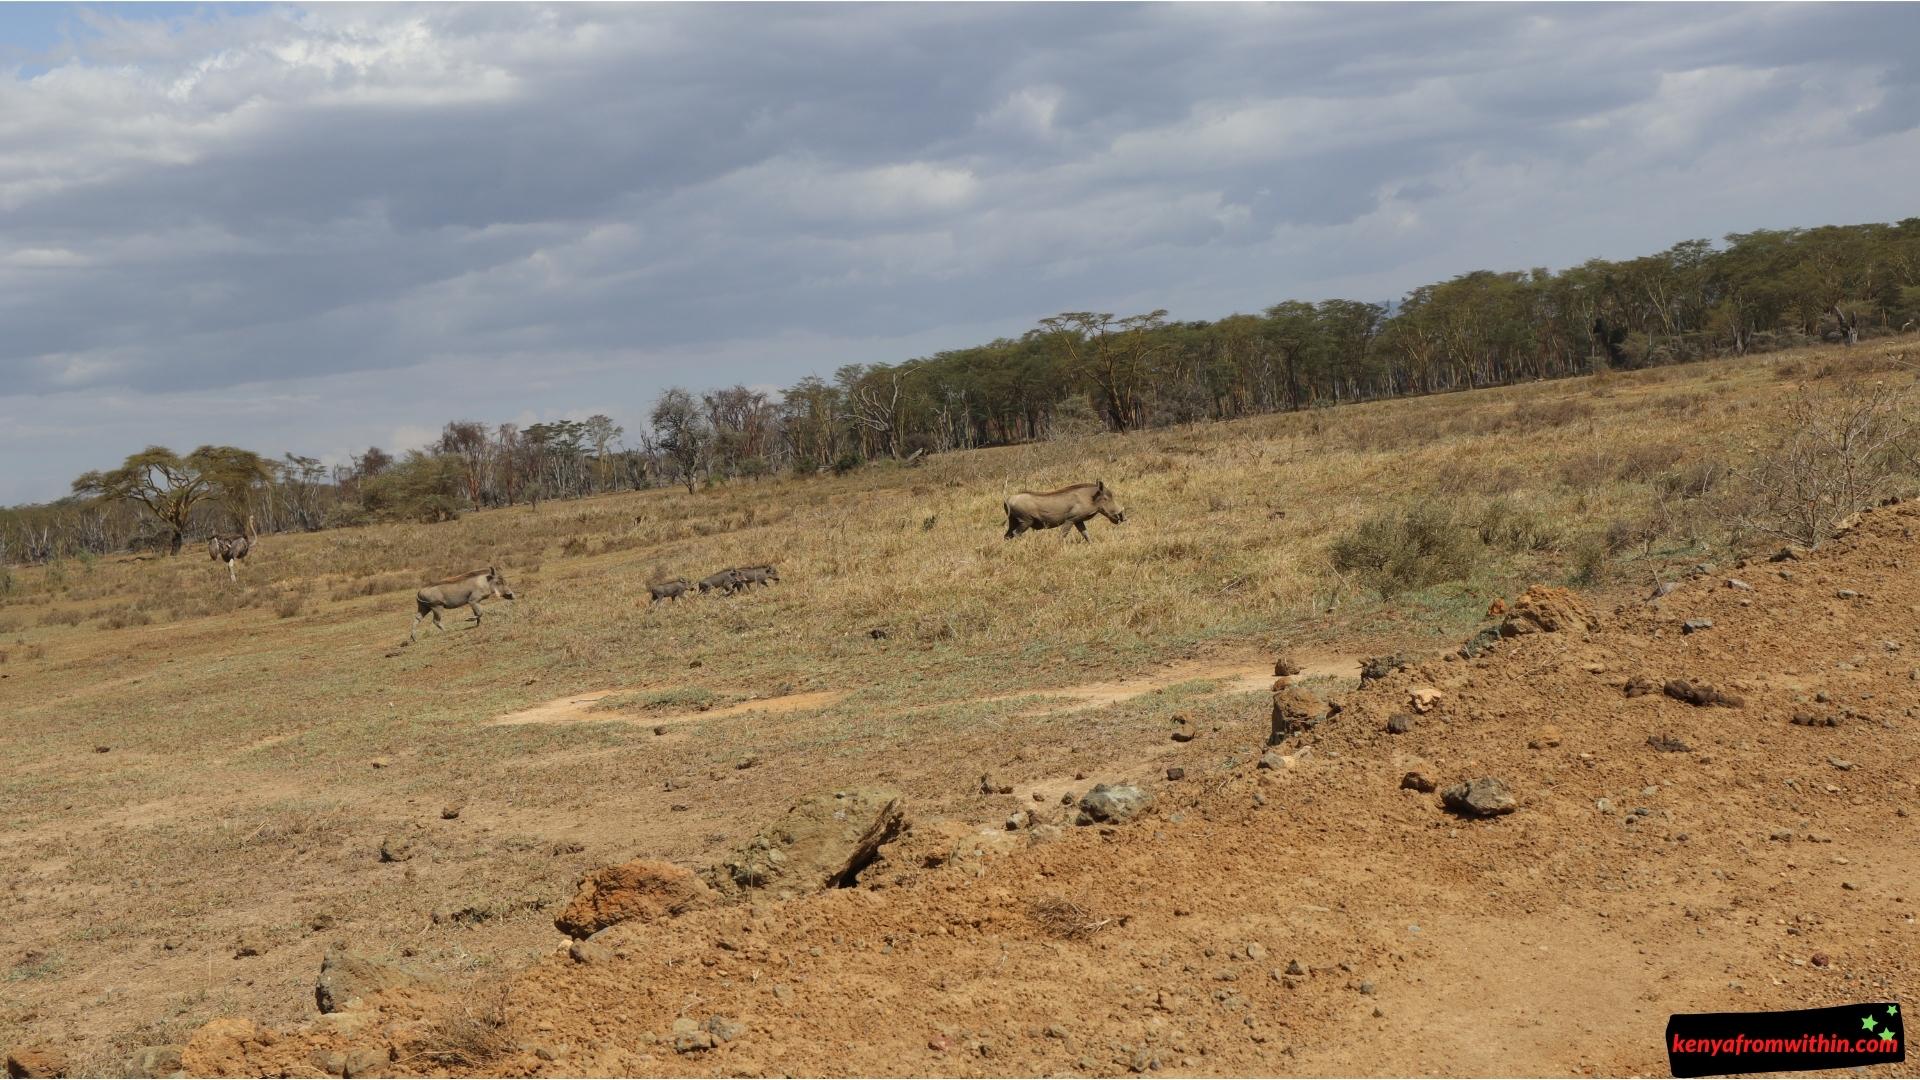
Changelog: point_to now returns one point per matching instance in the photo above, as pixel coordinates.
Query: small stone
(448, 813)
(1256, 951)
(1548, 738)
(379, 763)
(1366, 988)
(1399, 724)
(1176, 773)
(101, 749)
(724, 1028)
(1843, 766)
(1849, 886)
(1295, 968)
(1418, 781)
(1736, 583)
(367, 1061)
(1272, 760)
(1694, 626)
(1423, 698)
(1183, 735)
(659, 729)
(1820, 960)
(748, 762)
(1667, 744)
(1605, 806)
(37, 1061)
(1784, 836)
(1846, 594)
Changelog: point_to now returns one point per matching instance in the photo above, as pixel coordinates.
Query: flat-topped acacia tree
(170, 485)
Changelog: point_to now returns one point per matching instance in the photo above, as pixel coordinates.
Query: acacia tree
(167, 484)
(681, 432)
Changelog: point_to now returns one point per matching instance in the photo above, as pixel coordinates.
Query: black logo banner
(1722, 1044)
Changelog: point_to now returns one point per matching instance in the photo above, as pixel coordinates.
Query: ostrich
(231, 549)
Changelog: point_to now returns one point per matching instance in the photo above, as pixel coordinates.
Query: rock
(1791, 552)
(692, 1042)
(1176, 773)
(1845, 594)
(347, 979)
(367, 1061)
(396, 849)
(1820, 960)
(1294, 712)
(1418, 781)
(329, 1062)
(448, 813)
(1664, 590)
(1843, 766)
(1113, 803)
(1482, 642)
(1736, 583)
(1497, 608)
(589, 952)
(1548, 609)
(823, 841)
(1020, 819)
(1183, 735)
(36, 1061)
(1399, 724)
(1256, 951)
(1380, 667)
(1667, 744)
(877, 634)
(1294, 969)
(642, 890)
(1694, 626)
(1272, 760)
(1605, 806)
(990, 786)
(102, 749)
(724, 1029)
(1701, 694)
(1285, 666)
(1811, 720)
(153, 1062)
(1424, 698)
(1639, 686)
(1483, 796)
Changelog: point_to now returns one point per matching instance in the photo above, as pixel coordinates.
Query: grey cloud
(342, 199)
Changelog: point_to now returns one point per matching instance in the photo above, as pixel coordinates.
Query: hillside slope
(1664, 857)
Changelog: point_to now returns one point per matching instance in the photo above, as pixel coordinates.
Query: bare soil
(1769, 864)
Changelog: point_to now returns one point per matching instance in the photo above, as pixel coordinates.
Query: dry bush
(1838, 453)
(1396, 552)
(62, 617)
(1645, 460)
(468, 1034)
(1062, 918)
(122, 617)
(1508, 526)
(288, 604)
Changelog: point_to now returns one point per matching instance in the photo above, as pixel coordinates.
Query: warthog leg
(1082, 526)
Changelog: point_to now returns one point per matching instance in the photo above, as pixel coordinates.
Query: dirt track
(1766, 865)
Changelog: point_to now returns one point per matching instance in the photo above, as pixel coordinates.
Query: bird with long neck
(231, 549)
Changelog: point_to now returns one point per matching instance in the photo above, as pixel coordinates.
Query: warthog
(726, 581)
(756, 575)
(1058, 509)
(668, 590)
(465, 590)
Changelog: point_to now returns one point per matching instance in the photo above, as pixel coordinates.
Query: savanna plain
(210, 785)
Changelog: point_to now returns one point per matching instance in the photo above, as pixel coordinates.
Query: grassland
(201, 775)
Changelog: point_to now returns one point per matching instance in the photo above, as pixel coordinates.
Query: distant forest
(1074, 373)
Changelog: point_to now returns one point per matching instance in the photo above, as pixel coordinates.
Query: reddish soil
(1703, 874)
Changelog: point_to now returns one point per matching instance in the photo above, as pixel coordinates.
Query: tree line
(1074, 373)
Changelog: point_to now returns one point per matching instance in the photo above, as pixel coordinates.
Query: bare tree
(1837, 454)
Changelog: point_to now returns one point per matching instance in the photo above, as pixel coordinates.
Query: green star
(1867, 1023)
(1893, 1010)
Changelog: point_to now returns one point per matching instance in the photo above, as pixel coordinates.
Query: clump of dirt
(642, 890)
(1332, 916)
(1550, 609)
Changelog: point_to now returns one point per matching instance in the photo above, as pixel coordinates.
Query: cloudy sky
(320, 228)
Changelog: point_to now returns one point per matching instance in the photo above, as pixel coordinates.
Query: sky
(316, 229)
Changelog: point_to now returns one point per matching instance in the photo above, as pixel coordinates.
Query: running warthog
(1058, 509)
(464, 590)
(668, 590)
(756, 575)
(726, 581)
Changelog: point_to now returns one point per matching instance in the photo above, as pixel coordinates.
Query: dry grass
(263, 737)
(1062, 918)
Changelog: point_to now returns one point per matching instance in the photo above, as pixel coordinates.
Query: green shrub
(1398, 552)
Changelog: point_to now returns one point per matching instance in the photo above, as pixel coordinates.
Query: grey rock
(1694, 626)
(1113, 803)
(1484, 796)
(346, 978)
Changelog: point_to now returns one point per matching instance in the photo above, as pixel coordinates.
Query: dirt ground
(1320, 918)
(198, 807)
